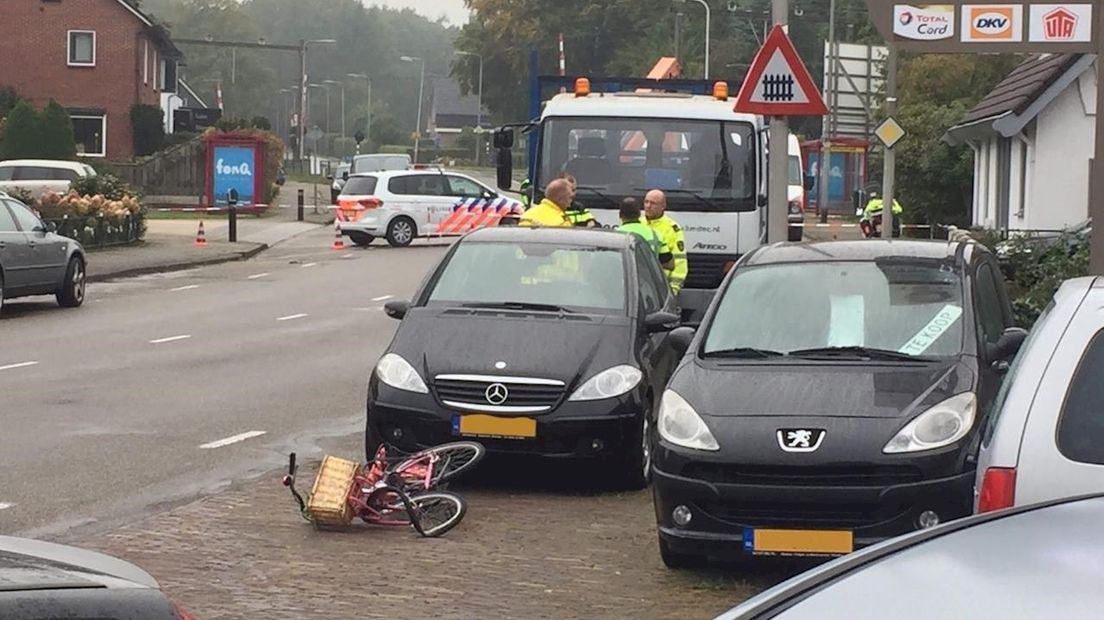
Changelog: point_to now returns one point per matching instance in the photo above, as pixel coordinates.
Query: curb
(140, 271)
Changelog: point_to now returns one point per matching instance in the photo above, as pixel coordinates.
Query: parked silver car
(40, 580)
(1043, 561)
(1045, 437)
(36, 261)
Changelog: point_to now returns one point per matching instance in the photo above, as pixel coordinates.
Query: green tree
(57, 133)
(148, 129)
(935, 180)
(23, 133)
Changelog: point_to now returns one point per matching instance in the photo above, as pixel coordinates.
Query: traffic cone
(201, 236)
(339, 241)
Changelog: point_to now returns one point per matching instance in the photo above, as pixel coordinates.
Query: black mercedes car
(549, 342)
(832, 398)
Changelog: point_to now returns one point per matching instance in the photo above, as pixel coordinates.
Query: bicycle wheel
(433, 514)
(435, 466)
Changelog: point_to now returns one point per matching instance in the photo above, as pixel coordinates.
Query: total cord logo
(992, 23)
(924, 22)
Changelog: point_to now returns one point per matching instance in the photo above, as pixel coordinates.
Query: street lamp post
(708, 30)
(479, 114)
(362, 76)
(302, 128)
(336, 83)
(421, 97)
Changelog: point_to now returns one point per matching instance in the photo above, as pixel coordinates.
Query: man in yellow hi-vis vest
(550, 211)
(655, 210)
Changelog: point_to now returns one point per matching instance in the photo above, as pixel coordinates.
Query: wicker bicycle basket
(329, 503)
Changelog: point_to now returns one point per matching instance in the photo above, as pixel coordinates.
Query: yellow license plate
(480, 425)
(798, 542)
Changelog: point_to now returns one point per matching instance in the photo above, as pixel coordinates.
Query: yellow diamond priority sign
(889, 132)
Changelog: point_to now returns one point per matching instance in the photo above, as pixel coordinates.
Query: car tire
(71, 294)
(401, 232)
(796, 233)
(634, 469)
(674, 560)
(360, 239)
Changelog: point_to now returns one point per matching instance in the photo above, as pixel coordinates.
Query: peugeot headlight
(940, 426)
(795, 207)
(609, 383)
(681, 425)
(399, 374)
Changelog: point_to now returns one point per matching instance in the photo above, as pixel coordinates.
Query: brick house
(97, 58)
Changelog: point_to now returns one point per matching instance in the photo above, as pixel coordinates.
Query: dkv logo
(993, 23)
(242, 169)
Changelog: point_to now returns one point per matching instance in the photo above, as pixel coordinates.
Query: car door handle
(31, 244)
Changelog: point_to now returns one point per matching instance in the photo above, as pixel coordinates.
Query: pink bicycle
(389, 491)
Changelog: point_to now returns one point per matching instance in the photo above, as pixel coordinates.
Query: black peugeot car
(832, 398)
(549, 342)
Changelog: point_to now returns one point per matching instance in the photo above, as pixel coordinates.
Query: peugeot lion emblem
(496, 393)
(800, 439)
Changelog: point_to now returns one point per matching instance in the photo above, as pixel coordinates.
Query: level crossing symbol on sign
(778, 84)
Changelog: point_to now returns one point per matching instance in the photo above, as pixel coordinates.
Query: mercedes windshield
(703, 165)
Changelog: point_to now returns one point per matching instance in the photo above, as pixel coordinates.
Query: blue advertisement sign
(836, 184)
(234, 169)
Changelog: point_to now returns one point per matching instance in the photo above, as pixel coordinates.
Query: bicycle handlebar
(291, 464)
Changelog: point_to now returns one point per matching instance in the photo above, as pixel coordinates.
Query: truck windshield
(692, 159)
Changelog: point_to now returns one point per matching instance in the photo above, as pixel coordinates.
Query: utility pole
(827, 125)
(778, 158)
(1096, 178)
(889, 165)
(301, 129)
(678, 37)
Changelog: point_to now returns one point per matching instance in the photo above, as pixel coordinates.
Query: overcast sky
(453, 10)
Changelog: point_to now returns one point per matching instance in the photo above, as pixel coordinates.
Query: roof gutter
(962, 134)
(1014, 124)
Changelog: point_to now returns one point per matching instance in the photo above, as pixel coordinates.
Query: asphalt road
(165, 388)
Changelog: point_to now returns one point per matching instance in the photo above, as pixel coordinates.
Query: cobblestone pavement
(245, 553)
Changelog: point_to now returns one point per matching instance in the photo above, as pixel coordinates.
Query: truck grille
(522, 395)
(707, 270)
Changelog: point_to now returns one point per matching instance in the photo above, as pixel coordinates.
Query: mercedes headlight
(680, 425)
(940, 426)
(609, 383)
(399, 374)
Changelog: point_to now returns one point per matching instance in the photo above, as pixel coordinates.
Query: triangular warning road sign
(778, 84)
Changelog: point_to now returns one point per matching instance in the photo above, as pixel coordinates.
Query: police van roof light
(582, 87)
(720, 91)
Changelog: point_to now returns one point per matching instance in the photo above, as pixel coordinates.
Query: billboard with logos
(992, 23)
(235, 164)
(1060, 23)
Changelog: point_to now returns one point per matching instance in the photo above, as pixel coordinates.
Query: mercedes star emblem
(496, 393)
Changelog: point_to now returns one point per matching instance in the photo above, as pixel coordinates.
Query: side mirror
(1008, 346)
(329, 177)
(504, 138)
(344, 176)
(657, 322)
(505, 168)
(680, 339)
(810, 182)
(397, 309)
(51, 227)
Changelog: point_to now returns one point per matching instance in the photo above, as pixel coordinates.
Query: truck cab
(709, 160)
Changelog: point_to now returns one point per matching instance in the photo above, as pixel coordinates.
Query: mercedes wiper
(519, 305)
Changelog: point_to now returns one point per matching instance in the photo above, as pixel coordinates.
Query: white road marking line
(256, 276)
(185, 288)
(305, 265)
(346, 256)
(6, 505)
(19, 365)
(384, 298)
(170, 339)
(292, 317)
(231, 440)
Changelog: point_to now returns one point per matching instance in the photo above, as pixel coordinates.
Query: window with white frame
(82, 48)
(90, 133)
(146, 64)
